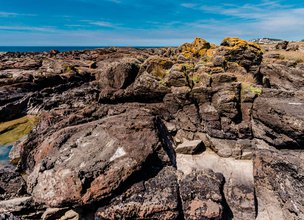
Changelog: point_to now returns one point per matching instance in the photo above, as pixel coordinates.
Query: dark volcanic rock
(201, 195)
(281, 76)
(279, 184)
(11, 183)
(88, 162)
(282, 45)
(117, 75)
(244, 53)
(155, 198)
(279, 119)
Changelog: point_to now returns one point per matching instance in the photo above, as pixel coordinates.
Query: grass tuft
(297, 56)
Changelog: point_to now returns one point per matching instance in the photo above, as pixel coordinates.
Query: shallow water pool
(4, 153)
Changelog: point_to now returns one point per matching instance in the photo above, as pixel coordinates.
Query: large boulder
(117, 75)
(90, 161)
(244, 53)
(279, 119)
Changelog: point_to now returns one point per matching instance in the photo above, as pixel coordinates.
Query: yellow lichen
(210, 52)
(197, 49)
(12, 131)
(235, 43)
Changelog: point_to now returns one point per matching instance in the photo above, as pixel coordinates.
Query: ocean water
(43, 49)
(4, 152)
(49, 48)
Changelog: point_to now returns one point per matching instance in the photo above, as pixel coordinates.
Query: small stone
(53, 213)
(171, 127)
(282, 45)
(70, 215)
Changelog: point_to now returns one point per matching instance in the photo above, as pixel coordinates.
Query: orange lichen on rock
(198, 49)
(246, 54)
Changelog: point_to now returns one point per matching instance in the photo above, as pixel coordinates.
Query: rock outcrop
(195, 132)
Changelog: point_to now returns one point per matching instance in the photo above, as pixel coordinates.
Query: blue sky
(145, 22)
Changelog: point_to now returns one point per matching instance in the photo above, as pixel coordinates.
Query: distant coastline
(59, 48)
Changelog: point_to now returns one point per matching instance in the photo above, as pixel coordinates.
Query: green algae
(11, 131)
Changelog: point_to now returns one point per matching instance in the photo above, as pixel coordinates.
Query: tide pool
(4, 154)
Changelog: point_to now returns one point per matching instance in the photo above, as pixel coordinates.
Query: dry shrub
(297, 56)
(159, 71)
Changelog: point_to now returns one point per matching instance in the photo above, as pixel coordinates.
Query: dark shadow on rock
(152, 166)
(256, 205)
(166, 140)
(227, 212)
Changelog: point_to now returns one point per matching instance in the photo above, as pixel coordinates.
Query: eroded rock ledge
(195, 132)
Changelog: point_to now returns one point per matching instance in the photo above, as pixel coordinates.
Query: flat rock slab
(190, 147)
(15, 205)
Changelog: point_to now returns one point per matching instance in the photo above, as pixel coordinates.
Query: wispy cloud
(267, 17)
(74, 25)
(188, 5)
(115, 1)
(7, 14)
(102, 24)
(13, 14)
(99, 23)
(27, 28)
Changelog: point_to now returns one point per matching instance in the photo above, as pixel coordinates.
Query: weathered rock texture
(195, 132)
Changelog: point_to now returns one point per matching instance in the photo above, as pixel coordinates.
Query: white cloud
(102, 24)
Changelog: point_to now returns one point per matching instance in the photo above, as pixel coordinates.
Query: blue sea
(49, 48)
(42, 49)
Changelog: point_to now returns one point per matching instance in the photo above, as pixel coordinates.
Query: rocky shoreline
(195, 132)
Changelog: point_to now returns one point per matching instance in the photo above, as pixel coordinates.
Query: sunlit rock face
(195, 132)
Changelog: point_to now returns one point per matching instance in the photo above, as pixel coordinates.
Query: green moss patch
(256, 90)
